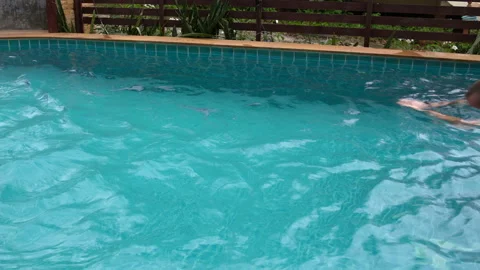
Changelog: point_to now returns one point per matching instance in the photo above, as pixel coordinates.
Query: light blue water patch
(115, 159)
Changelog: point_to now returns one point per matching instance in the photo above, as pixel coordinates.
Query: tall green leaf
(390, 39)
(62, 19)
(475, 49)
(92, 23)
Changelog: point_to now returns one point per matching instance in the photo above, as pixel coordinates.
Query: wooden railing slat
(422, 22)
(314, 29)
(292, 16)
(424, 35)
(426, 10)
(123, 2)
(368, 24)
(289, 4)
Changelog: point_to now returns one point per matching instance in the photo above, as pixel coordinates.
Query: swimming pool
(162, 156)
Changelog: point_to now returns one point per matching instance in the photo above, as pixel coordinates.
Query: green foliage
(139, 29)
(196, 26)
(475, 49)
(334, 40)
(92, 23)
(174, 31)
(245, 35)
(463, 47)
(389, 42)
(63, 25)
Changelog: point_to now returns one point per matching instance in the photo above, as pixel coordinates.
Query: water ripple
(292, 169)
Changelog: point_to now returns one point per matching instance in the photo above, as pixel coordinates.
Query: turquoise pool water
(122, 156)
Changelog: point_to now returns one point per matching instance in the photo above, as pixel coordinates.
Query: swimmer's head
(473, 95)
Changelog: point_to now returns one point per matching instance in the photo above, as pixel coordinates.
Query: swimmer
(472, 98)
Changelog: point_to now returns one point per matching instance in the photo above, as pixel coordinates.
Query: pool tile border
(243, 44)
(271, 56)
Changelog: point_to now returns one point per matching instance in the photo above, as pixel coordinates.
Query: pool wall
(309, 54)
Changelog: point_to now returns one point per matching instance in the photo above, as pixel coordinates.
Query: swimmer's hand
(414, 104)
(471, 122)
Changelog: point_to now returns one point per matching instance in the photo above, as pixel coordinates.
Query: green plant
(139, 29)
(196, 26)
(174, 31)
(63, 25)
(334, 40)
(92, 23)
(434, 47)
(475, 49)
(390, 39)
(135, 29)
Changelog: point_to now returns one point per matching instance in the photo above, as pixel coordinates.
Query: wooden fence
(52, 25)
(363, 18)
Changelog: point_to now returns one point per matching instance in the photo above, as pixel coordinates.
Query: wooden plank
(258, 19)
(425, 22)
(77, 10)
(161, 15)
(52, 23)
(120, 21)
(233, 3)
(314, 30)
(242, 15)
(157, 12)
(171, 23)
(305, 17)
(233, 14)
(425, 10)
(245, 26)
(168, 23)
(424, 35)
(368, 24)
(289, 4)
(127, 22)
(119, 11)
(140, 2)
(171, 13)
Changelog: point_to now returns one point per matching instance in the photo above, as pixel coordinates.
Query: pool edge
(251, 45)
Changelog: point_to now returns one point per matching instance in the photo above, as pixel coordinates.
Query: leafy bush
(141, 30)
(196, 26)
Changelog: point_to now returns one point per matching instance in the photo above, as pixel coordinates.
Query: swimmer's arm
(446, 103)
(422, 106)
(452, 119)
(448, 118)
(471, 122)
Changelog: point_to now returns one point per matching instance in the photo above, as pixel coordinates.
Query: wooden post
(161, 16)
(52, 16)
(368, 24)
(467, 31)
(77, 9)
(259, 10)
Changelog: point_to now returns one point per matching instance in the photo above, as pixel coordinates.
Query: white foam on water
(350, 122)
(281, 146)
(30, 112)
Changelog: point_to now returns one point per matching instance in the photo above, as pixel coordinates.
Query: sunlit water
(229, 164)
